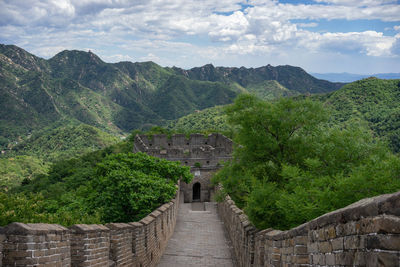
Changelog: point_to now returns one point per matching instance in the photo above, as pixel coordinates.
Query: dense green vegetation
(14, 170)
(109, 185)
(207, 120)
(78, 86)
(34, 154)
(53, 109)
(373, 101)
(64, 142)
(292, 165)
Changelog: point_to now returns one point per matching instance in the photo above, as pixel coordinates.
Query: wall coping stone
(162, 208)
(367, 207)
(155, 214)
(296, 231)
(147, 220)
(136, 224)
(16, 228)
(273, 233)
(85, 228)
(118, 226)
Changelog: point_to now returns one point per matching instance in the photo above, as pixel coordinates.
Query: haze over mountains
(78, 87)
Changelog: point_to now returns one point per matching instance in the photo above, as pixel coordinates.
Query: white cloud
(150, 57)
(118, 58)
(185, 31)
(370, 43)
(384, 12)
(357, 2)
(307, 25)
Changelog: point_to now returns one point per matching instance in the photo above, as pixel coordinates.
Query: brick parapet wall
(366, 233)
(206, 150)
(138, 244)
(90, 244)
(121, 244)
(36, 245)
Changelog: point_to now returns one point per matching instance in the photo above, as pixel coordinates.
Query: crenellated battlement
(203, 154)
(206, 151)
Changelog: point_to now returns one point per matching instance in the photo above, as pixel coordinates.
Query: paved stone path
(199, 239)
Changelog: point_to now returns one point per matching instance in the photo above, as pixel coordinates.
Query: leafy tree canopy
(99, 187)
(291, 166)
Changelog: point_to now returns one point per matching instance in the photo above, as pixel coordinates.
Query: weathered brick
(312, 247)
(344, 258)
(330, 259)
(354, 242)
(385, 242)
(325, 247)
(337, 243)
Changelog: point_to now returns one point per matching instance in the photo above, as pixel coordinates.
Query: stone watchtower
(202, 153)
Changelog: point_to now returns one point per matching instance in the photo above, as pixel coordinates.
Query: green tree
(291, 166)
(130, 186)
(100, 187)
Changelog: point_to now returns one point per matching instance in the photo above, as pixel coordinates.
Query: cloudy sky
(357, 36)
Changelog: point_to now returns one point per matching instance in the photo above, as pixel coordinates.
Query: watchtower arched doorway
(196, 191)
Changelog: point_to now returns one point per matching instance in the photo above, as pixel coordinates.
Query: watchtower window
(196, 191)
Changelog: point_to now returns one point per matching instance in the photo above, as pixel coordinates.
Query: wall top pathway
(199, 239)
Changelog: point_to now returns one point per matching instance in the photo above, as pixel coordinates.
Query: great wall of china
(366, 233)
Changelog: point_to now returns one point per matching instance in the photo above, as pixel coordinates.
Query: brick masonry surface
(366, 233)
(199, 239)
(202, 153)
(136, 244)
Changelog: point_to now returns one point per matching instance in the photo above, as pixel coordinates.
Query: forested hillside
(371, 101)
(117, 98)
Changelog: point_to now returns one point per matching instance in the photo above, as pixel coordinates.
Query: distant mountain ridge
(78, 86)
(351, 77)
(293, 78)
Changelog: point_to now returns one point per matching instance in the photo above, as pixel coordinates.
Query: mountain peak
(23, 58)
(76, 57)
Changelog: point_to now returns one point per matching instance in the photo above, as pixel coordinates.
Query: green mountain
(293, 78)
(32, 156)
(371, 101)
(210, 119)
(64, 142)
(76, 86)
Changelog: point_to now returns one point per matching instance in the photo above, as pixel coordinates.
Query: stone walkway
(199, 239)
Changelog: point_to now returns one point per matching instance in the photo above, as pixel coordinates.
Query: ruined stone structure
(135, 244)
(202, 153)
(366, 233)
